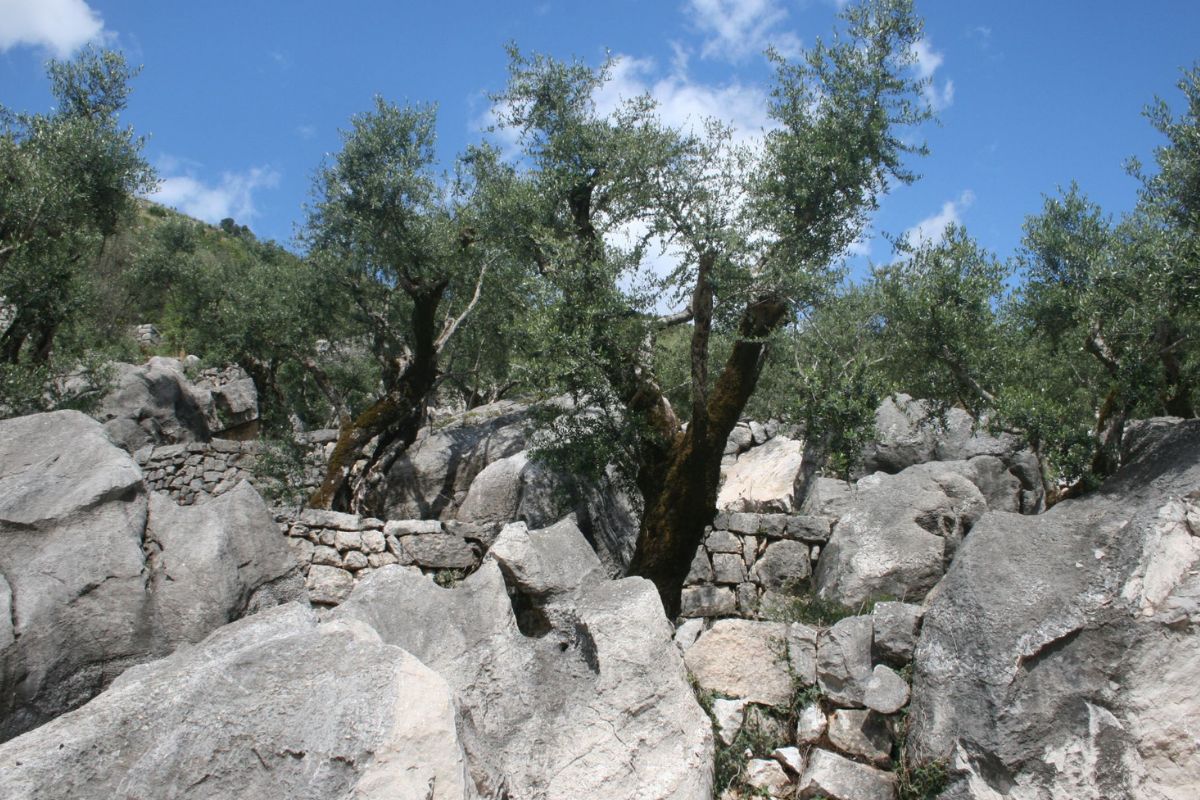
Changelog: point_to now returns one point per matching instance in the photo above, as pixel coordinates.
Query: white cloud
(683, 103)
(60, 26)
(933, 229)
(738, 28)
(232, 196)
(927, 62)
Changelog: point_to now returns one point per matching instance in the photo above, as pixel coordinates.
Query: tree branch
(452, 325)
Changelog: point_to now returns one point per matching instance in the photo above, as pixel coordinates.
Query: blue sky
(242, 100)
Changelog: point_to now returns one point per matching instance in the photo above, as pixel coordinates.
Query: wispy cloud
(928, 61)
(306, 131)
(60, 26)
(231, 196)
(933, 228)
(684, 103)
(735, 29)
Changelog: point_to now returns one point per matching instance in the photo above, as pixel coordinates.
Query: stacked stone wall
(191, 471)
(745, 557)
(337, 550)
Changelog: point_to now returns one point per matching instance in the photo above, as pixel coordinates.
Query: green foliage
(799, 602)
(916, 781)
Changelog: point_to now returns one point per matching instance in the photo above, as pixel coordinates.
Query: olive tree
(410, 252)
(68, 180)
(757, 234)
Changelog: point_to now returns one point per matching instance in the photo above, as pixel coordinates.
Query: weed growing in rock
(916, 781)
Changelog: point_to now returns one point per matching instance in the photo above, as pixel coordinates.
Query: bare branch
(671, 320)
(452, 325)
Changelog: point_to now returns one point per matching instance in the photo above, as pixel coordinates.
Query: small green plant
(279, 471)
(798, 601)
(916, 781)
(447, 578)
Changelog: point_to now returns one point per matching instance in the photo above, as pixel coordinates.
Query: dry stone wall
(746, 556)
(338, 550)
(191, 471)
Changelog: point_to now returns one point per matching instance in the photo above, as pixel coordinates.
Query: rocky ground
(925, 630)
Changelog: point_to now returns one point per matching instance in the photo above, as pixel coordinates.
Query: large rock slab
(899, 534)
(98, 576)
(743, 659)
(432, 477)
(835, 777)
(1057, 657)
(273, 706)
(763, 479)
(155, 403)
(564, 690)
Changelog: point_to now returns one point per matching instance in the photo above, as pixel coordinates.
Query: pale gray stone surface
(707, 601)
(844, 660)
(1083, 619)
(728, 568)
(273, 706)
(701, 570)
(743, 659)
(99, 577)
(439, 551)
(898, 535)
(836, 777)
(728, 714)
(802, 652)
(155, 403)
(783, 564)
(546, 562)
(790, 758)
(896, 626)
(862, 734)
(328, 585)
(810, 724)
(596, 702)
(886, 691)
(763, 478)
(766, 774)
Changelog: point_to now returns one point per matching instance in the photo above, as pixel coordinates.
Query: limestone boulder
(743, 659)
(899, 534)
(575, 691)
(763, 478)
(274, 706)
(98, 575)
(844, 660)
(836, 777)
(1057, 656)
(155, 403)
(431, 479)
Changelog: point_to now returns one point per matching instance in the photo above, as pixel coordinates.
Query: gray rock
(440, 551)
(328, 585)
(155, 404)
(740, 440)
(747, 600)
(707, 601)
(411, 527)
(728, 568)
(99, 577)
(596, 702)
(274, 706)
(687, 633)
(1055, 656)
(728, 715)
(347, 540)
(743, 659)
(886, 691)
(701, 570)
(547, 562)
(723, 542)
(433, 475)
(844, 660)
(898, 535)
(763, 479)
(896, 625)
(766, 775)
(863, 734)
(354, 560)
(838, 778)
(752, 523)
(808, 528)
(802, 653)
(494, 496)
(828, 498)
(373, 541)
(784, 563)
(810, 724)
(320, 518)
(790, 758)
